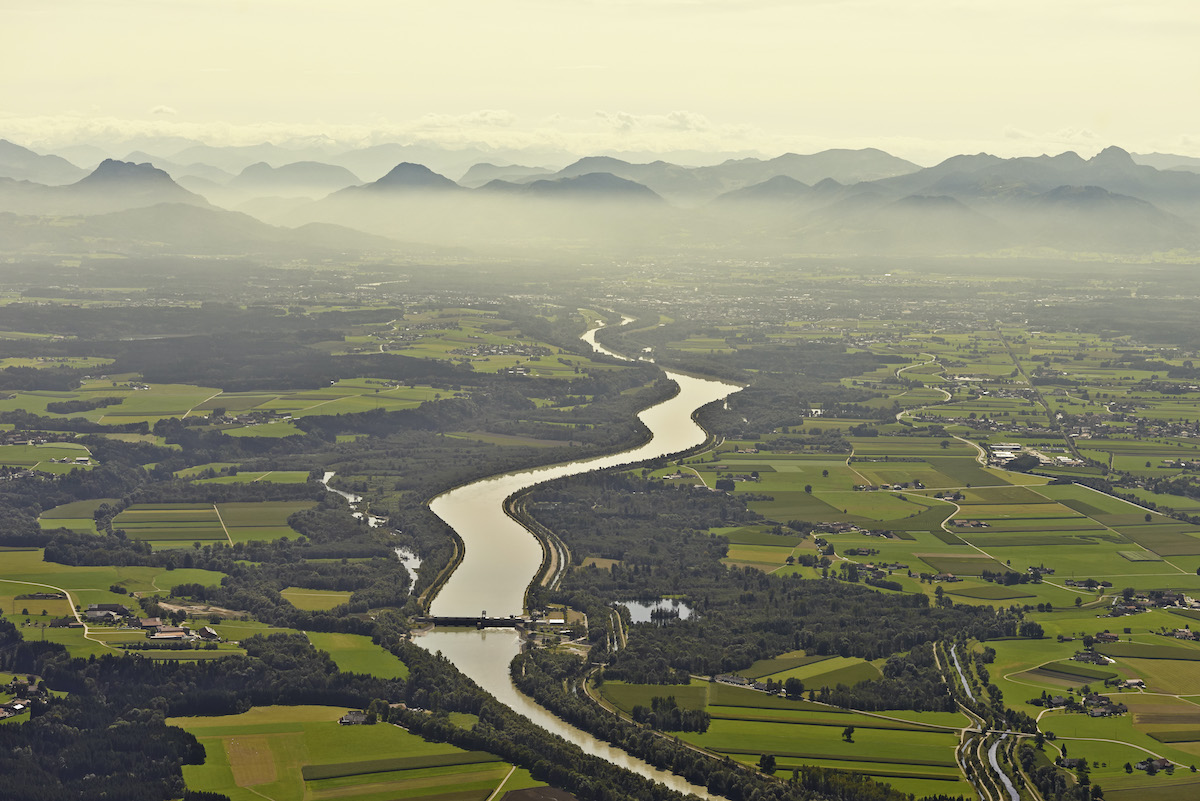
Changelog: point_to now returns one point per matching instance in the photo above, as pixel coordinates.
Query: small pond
(660, 611)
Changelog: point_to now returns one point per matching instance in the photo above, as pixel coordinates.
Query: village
(156, 629)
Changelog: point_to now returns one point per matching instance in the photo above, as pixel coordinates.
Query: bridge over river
(480, 622)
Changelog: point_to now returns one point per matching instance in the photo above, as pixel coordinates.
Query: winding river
(501, 558)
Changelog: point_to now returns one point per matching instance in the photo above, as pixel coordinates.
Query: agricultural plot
(270, 476)
(162, 400)
(1024, 669)
(759, 535)
(355, 653)
(76, 516)
(912, 761)
(272, 430)
(55, 457)
(764, 557)
(183, 522)
(300, 753)
(177, 525)
(914, 754)
(314, 600)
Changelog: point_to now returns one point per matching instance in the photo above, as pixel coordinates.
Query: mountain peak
(1113, 156)
(595, 185)
(111, 172)
(407, 175)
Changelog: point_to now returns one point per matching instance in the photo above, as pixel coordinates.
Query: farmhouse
(119, 609)
(13, 708)
(727, 678)
(353, 718)
(167, 633)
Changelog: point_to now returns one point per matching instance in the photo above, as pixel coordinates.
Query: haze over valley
(841, 202)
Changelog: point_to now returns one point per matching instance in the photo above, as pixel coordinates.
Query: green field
(314, 600)
(180, 524)
(76, 515)
(299, 753)
(23, 571)
(911, 753)
(355, 653)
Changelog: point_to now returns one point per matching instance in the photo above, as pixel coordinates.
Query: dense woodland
(659, 533)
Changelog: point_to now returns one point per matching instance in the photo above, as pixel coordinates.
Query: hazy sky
(920, 78)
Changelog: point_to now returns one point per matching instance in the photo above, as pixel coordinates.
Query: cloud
(486, 118)
(625, 122)
(621, 121)
(1013, 132)
(688, 121)
(163, 111)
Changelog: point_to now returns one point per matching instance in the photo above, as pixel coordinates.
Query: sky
(923, 79)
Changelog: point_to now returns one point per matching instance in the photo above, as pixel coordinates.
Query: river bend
(501, 558)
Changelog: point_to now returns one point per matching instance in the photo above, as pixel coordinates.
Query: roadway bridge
(479, 622)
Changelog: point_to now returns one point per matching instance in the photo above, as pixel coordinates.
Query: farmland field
(298, 753)
(76, 515)
(355, 653)
(314, 600)
(747, 723)
(180, 524)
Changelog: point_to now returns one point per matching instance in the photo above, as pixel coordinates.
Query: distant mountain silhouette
(967, 204)
(1113, 169)
(127, 175)
(405, 177)
(779, 188)
(179, 172)
(482, 173)
(1090, 218)
(694, 185)
(591, 186)
(112, 186)
(310, 178)
(24, 164)
(234, 159)
(1168, 161)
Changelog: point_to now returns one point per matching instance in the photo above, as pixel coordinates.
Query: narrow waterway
(501, 558)
(1013, 795)
(961, 676)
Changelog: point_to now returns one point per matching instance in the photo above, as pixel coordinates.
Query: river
(501, 558)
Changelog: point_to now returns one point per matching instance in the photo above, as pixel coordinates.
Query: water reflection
(657, 611)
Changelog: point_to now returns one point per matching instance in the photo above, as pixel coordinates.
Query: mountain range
(836, 201)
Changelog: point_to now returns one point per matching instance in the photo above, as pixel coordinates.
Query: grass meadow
(301, 753)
